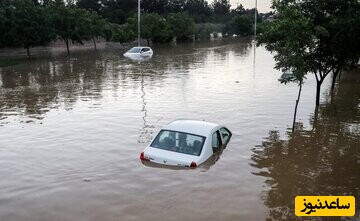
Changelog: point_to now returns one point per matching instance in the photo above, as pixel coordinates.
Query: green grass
(8, 62)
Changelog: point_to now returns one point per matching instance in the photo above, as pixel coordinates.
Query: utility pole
(255, 19)
(138, 22)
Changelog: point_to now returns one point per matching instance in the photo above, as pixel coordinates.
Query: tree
(154, 28)
(221, 9)
(96, 27)
(313, 33)
(25, 25)
(291, 51)
(343, 31)
(155, 6)
(181, 26)
(240, 25)
(176, 6)
(6, 17)
(36, 2)
(116, 11)
(239, 10)
(70, 23)
(198, 9)
(122, 33)
(311, 161)
(91, 5)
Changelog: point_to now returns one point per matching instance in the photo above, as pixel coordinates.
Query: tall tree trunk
(28, 52)
(318, 88)
(319, 80)
(296, 106)
(67, 46)
(316, 113)
(94, 43)
(148, 42)
(335, 74)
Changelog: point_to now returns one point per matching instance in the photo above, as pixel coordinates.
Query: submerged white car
(139, 53)
(186, 143)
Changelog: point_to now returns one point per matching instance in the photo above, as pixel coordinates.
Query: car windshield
(134, 50)
(179, 142)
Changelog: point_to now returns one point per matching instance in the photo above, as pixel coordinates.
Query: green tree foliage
(242, 22)
(91, 5)
(240, 25)
(122, 33)
(316, 158)
(221, 9)
(176, 6)
(199, 10)
(70, 23)
(96, 26)
(203, 31)
(29, 23)
(6, 16)
(155, 6)
(118, 11)
(23, 24)
(154, 28)
(314, 36)
(239, 10)
(181, 26)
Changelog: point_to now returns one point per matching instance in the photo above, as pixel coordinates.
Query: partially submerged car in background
(186, 143)
(139, 53)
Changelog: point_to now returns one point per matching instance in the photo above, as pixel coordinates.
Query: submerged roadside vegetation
(30, 23)
(318, 37)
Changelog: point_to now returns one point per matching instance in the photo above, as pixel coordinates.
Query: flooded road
(71, 131)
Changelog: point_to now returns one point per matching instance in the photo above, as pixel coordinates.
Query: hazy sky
(263, 5)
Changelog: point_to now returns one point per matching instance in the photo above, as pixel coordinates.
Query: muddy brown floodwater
(71, 131)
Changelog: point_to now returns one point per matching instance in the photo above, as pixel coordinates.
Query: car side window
(226, 134)
(216, 141)
(145, 49)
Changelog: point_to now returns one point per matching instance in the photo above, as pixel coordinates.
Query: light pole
(254, 41)
(255, 19)
(138, 22)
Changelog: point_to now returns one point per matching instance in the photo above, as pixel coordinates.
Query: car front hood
(131, 55)
(171, 158)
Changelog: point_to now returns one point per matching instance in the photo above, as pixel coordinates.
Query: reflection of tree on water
(32, 89)
(323, 161)
(29, 90)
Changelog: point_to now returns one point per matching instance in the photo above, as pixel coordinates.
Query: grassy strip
(9, 62)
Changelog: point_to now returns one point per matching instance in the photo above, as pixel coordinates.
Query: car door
(225, 134)
(216, 141)
(146, 51)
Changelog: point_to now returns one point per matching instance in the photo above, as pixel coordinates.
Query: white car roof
(202, 128)
(140, 47)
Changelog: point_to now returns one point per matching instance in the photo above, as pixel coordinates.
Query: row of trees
(30, 23)
(22, 23)
(117, 11)
(238, 21)
(156, 28)
(314, 36)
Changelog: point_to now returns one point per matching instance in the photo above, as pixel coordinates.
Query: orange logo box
(324, 206)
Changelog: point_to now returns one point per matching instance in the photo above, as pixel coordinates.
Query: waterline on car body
(186, 143)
